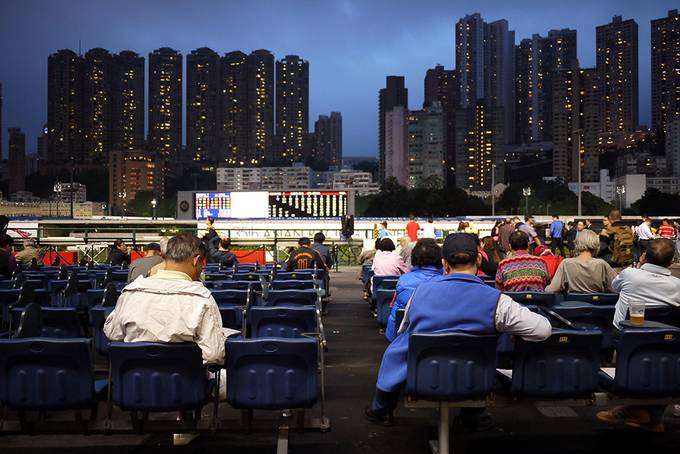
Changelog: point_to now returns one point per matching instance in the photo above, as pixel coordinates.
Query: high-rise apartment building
(97, 103)
(131, 172)
(1, 143)
(64, 106)
(441, 86)
(335, 155)
(396, 145)
(673, 147)
(327, 137)
(127, 101)
(617, 67)
(203, 104)
(42, 143)
(292, 108)
(394, 94)
(234, 109)
(665, 70)
(17, 160)
(165, 102)
(536, 60)
(426, 147)
(470, 47)
(260, 66)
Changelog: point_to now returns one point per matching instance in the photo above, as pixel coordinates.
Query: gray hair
(587, 240)
(164, 244)
(30, 242)
(183, 247)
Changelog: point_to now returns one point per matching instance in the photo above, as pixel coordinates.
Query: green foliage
(654, 203)
(549, 197)
(141, 205)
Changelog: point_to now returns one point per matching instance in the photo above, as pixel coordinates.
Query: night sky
(351, 44)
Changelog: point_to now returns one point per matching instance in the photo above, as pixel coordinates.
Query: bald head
(660, 252)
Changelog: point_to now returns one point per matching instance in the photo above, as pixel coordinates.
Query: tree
(655, 203)
(141, 205)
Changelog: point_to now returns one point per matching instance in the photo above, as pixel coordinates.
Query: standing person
(616, 241)
(142, 267)
(406, 247)
(495, 230)
(7, 261)
(494, 255)
(387, 262)
(528, 229)
(522, 272)
(556, 235)
(644, 234)
(30, 252)
(412, 228)
(304, 257)
(588, 225)
(433, 310)
(504, 235)
(211, 239)
(573, 234)
(666, 230)
(428, 230)
(676, 225)
(322, 249)
(383, 232)
(119, 254)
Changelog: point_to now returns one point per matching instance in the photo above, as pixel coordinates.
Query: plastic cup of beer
(636, 310)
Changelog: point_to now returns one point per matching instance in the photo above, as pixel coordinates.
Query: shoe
(385, 420)
(183, 439)
(625, 415)
(652, 426)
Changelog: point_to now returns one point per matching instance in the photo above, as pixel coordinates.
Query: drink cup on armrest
(636, 310)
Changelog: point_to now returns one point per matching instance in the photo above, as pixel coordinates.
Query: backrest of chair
(98, 316)
(111, 294)
(450, 366)
(246, 267)
(648, 361)
(246, 277)
(272, 373)
(61, 322)
(46, 374)
(31, 322)
(235, 285)
(540, 298)
(26, 295)
(232, 297)
(286, 322)
(63, 273)
(590, 316)
(295, 275)
(388, 283)
(292, 297)
(293, 284)
(383, 297)
(72, 285)
(157, 377)
(668, 315)
(564, 365)
(232, 316)
(593, 298)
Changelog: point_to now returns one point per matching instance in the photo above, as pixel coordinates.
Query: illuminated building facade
(394, 94)
(426, 147)
(64, 106)
(396, 145)
(203, 104)
(97, 83)
(127, 101)
(327, 138)
(234, 109)
(292, 108)
(665, 70)
(131, 172)
(165, 102)
(617, 67)
(260, 67)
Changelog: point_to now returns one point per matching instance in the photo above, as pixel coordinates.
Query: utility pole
(71, 191)
(493, 191)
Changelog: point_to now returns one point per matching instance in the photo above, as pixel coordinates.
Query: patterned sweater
(522, 272)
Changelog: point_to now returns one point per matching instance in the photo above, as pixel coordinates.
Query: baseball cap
(459, 243)
(153, 247)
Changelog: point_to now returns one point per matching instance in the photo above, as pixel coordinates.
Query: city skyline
(340, 84)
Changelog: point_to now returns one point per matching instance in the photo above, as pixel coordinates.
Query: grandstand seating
(383, 298)
(285, 322)
(593, 298)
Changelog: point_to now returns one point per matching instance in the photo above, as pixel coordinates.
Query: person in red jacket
(412, 228)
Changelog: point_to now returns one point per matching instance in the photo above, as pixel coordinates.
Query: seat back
(232, 316)
(235, 285)
(293, 284)
(590, 316)
(294, 275)
(383, 298)
(399, 317)
(231, 297)
(564, 365)
(30, 322)
(98, 316)
(111, 294)
(61, 322)
(286, 322)
(593, 298)
(26, 295)
(668, 315)
(246, 277)
(534, 298)
(450, 366)
(648, 362)
(272, 373)
(46, 374)
(366, 273)
(292, 298)
(157, 377)
(246, 267)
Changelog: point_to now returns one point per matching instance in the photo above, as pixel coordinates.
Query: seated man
(304, 257)
(223, 255)
(30, 252)
(652, 284)
(172, 305)
(521, 272)
(141, 267)
(459, 301)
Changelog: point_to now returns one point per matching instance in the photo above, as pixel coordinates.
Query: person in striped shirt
(666, 230)
(522, 272)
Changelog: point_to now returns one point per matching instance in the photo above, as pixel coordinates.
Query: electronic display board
(258, 205)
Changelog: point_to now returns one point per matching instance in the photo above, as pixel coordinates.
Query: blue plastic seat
(292, 298)
(98, 316)
(564, 365)
(61, 322)
(648, 362)
(292, 284)
(246, 268)
(231, 297)
(398, 318)
(366, 273)
(593, 298)
(47, 374)
(668, 315)
(246, 277)
(534, 298)
(272, 373)
(450, 366)
(383, 298)
(590, 316)
(156, 377)
(286, 322)
(304, 275)
(232, 316)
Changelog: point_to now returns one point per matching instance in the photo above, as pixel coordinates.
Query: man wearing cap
(458, 302)
(141, 267)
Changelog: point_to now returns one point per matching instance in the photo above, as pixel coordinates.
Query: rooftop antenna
(80, 53)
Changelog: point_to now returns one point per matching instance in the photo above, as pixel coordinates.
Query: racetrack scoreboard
(262, 204)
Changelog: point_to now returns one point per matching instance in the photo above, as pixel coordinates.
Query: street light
(526, 192)
(122, 195)
(153, 205)
(620, 193)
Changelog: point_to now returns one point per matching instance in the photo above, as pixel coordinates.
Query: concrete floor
(355, 349)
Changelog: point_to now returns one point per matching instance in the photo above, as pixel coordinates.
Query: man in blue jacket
(556, 235)
(426, 264)
(459, 301)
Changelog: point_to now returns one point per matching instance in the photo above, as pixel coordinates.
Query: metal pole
(71, 188)
(580, 132)
(493, 184)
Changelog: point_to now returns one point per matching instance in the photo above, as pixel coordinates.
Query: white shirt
(651, 284)
(644, 232)
(427, 230)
